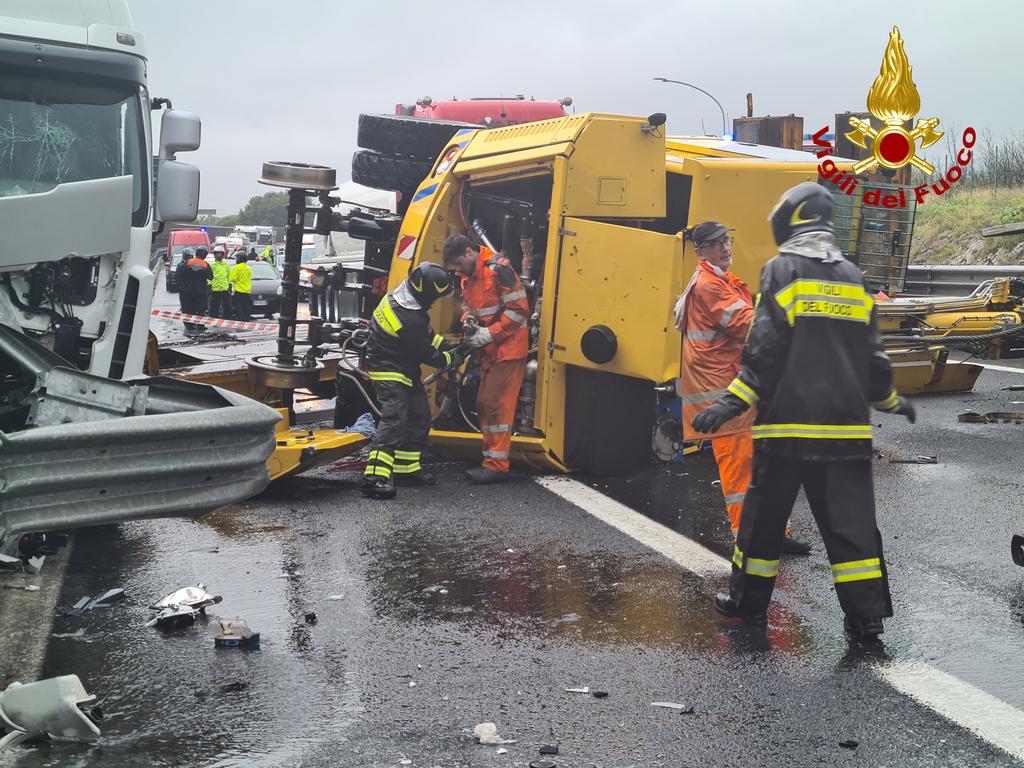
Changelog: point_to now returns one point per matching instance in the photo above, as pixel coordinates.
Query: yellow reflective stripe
(742, 391)
(889, 403)
(857, 570)
(381, 456)
(823, 298)
(737, 557)
(401, 378)
(407, 455)
(768, 569)
(407, 469)
(386, 318)
(814, 431)
(437, 341)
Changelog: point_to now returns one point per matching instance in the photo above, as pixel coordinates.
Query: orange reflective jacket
(714, 315)
(495, 296)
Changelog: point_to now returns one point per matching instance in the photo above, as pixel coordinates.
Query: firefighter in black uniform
(814, 366)
(401, 340)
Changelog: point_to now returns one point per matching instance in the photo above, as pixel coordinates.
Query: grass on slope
(948, 229)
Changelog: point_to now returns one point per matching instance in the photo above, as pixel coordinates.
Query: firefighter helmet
(429, 282)
(807, 207)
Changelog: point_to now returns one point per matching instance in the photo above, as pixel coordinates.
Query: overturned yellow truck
(592, 208)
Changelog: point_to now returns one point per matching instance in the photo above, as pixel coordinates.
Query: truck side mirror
(177, 194)
(179, 132)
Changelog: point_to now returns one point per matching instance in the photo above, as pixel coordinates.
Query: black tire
(414, 138)
(372, 169)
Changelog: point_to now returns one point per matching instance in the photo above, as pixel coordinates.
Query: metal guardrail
(948, 280)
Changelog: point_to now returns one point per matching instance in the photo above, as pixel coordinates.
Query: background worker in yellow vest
(220, 284)
(241, 282)
(714, 315)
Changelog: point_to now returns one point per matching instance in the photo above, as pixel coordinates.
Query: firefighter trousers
(496, 407)
(402, 430)
(735, 457)
(841, 497)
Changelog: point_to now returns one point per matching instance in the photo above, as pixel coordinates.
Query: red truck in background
(491, 112)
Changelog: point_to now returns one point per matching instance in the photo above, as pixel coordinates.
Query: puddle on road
(415, 575)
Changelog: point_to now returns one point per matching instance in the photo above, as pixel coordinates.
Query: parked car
(266, 282)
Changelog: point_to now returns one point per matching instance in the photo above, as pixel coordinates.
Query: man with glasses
(714, 315)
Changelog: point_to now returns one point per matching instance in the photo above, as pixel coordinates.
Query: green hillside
(948, 229)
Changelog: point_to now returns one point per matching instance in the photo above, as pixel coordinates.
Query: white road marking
(1000, 367)
(676, 547)
(978, 712)
(971, 708)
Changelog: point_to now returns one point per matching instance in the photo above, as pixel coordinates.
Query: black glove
(457, 355)
(906, 408)
(711, 419)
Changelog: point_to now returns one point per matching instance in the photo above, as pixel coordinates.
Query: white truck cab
(78, 192)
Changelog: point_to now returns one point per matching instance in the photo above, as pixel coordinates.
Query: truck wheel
(372, 169)
(416, 138)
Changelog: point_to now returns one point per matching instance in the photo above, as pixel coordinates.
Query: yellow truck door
(616, 289)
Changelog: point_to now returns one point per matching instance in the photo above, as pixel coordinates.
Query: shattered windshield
(55, 130)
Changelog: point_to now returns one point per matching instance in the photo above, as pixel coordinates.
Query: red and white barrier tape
(216, 322)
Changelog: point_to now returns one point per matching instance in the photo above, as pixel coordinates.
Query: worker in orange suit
(494, 296)
(714, 315)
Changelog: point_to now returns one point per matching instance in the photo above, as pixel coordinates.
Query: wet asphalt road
(454, 605)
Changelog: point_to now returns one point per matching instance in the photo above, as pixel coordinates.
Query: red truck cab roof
(492, 111)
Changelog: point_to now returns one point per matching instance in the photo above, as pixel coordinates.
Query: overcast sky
(277, 80)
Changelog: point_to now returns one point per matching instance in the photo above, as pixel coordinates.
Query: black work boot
(791, 546)
(726, 606)
(863, 629)
(484, 476)
(369, 485)
(414, 479)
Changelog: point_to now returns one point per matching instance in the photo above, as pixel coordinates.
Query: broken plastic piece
(193, 597)
(600, 694)
(173, 616)
(584, 689)
(487, 733)
(849, 744)
(916, 460)
(686, 709)
(51, 707)
(547, 749)
(106, 600)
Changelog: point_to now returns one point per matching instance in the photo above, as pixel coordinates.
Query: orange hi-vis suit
(494, 295)
(714, 315)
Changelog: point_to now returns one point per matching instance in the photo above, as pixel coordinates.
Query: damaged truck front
(80, 445)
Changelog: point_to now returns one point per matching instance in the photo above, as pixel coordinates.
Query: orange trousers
(735, 457)
(496, 407)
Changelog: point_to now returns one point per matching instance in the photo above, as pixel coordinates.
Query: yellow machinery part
(928, 371)
(301, 449)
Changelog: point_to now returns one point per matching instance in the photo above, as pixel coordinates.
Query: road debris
(182, 606)
(993, 417)
(487, 733)
(547, 749)
(584, 689)
(235, 633)
(849, 744)
(684, 709)
(310, 618)
(600, 694)
(916, 460)
(542, 764)
(54, 707)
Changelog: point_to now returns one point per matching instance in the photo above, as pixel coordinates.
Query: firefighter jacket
(193, 275)
(714, 315)
(401, 340)
(813, 363)
(494, 295)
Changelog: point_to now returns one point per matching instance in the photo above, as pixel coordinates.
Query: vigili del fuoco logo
(894, 101)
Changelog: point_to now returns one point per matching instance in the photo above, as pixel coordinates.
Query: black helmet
(807, 207)
(429, 282)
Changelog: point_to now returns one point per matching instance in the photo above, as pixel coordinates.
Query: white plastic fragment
(668, 705)
(501, 751)
(584, 689)
(487, 733)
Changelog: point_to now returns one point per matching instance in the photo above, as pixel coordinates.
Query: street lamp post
(725, 130)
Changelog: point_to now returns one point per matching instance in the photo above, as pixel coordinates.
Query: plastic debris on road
(234, 633)
(487, 733)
